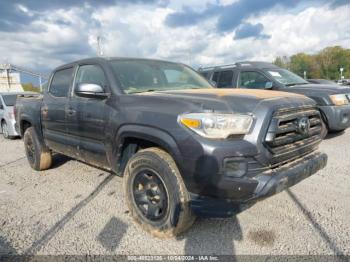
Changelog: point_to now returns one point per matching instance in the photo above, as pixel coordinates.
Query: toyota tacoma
(184, 148)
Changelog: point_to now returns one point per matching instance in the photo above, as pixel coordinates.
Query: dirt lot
(77, 209)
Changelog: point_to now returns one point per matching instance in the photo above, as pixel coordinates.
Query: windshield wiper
(143, 91)
(295, 84)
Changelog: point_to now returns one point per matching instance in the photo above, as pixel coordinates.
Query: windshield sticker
(275, 74)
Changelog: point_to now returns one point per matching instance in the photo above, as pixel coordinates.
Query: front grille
(293, 132)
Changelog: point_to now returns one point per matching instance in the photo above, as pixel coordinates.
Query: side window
(91, 74)
(205, 74)
(1, 104)
(61, 82)
(225, 79)
(253, 80)
(215, 77)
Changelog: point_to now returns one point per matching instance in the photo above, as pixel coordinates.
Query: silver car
(7, 116)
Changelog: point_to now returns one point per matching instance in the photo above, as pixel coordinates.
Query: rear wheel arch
(24, 125)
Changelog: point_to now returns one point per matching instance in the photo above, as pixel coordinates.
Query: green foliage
(29, 87)
(325, 64)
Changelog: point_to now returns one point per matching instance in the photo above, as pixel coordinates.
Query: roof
(104, 58)
(253, 64)
(256, 64)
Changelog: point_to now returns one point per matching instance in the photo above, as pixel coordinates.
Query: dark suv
(332, 100)
(185, 149)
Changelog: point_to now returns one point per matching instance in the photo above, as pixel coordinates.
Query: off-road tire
(179, 216)
(38, 156)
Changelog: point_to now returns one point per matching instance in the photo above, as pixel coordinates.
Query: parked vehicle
(321, 81)
(7, 116)
(344, 82)
(185, 149)
(332, 100)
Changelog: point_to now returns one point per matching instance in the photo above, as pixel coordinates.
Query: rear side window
(10, 100)
(205, 74)
(225, 79)
(61, 82)
(91, 74)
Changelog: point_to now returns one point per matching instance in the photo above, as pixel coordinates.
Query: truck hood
(233, 100)
(318, 89)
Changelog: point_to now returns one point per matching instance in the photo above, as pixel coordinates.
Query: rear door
(53, 111)
(87, 117)
(225, 79)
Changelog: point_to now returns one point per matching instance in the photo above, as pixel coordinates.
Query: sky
(40, 34)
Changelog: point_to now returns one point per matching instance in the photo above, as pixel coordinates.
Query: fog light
(235, 167)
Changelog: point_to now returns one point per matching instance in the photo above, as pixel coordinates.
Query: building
(9, 81)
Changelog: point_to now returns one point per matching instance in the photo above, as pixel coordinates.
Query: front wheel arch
(149, 137)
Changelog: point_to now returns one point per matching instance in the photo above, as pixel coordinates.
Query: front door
(86, 118)
(253, 80)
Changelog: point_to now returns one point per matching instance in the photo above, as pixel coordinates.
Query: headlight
(339, 100)
(215, 125)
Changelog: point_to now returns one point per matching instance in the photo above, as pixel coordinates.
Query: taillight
(12, 114)
(14, 110)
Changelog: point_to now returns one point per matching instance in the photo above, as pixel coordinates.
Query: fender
(321, 101)
(35, 124)
(148, 133)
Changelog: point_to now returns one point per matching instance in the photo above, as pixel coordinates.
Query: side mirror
(90, 90)
(269, 85)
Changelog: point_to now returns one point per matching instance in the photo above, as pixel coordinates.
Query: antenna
(99, 46)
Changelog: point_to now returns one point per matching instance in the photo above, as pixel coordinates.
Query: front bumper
(266, 184)
(338, 117)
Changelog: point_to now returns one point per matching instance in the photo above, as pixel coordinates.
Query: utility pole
(8, 79)
(99, 46)
(341, 73)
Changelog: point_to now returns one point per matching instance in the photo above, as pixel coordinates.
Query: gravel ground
(77, 209)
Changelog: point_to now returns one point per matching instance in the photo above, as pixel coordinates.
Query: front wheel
(39, 157)
(156, 195)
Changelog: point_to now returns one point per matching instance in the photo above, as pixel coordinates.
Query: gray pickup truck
(184, 148)
(332, 100)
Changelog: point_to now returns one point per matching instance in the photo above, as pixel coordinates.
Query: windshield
(137, 76)
(10, 100)
(286, 77)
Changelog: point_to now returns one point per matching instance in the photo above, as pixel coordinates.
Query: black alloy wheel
(150, 195)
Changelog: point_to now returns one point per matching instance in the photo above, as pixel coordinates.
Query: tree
(325, 64)
(29, 87)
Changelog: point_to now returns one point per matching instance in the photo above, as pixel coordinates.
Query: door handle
(71, 112)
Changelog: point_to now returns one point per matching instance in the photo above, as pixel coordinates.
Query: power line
(10, 67)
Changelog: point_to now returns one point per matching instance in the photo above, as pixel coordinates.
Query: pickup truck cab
(184, 148)
(332, 100)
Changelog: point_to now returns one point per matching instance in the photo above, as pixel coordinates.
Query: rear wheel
(4, 130)
(156, 195)
(39, 157)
